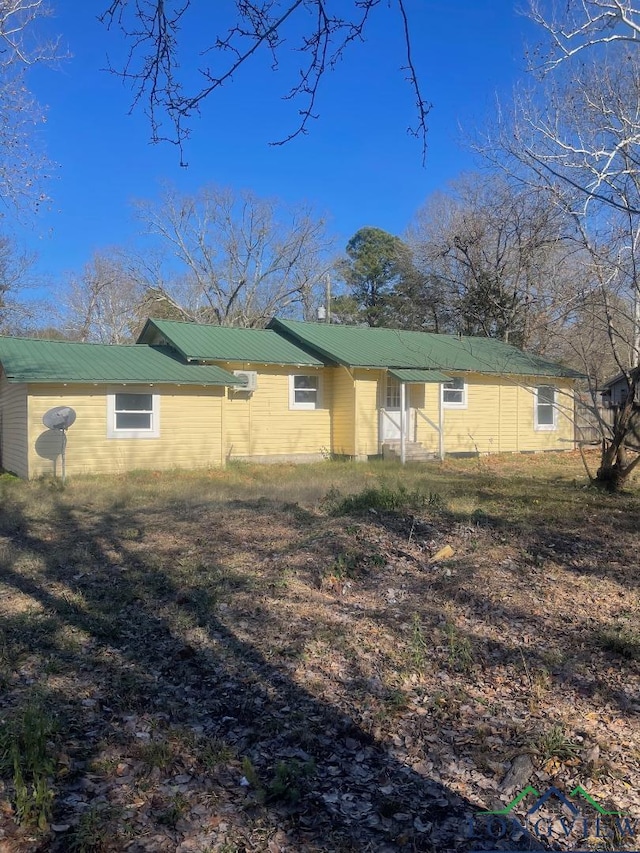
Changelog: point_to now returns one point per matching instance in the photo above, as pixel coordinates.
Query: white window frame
(114, 432)
(449, 404)
(536, 411)
(392, 394)
(292, 392)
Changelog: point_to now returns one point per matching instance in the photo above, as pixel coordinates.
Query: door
(390, 413)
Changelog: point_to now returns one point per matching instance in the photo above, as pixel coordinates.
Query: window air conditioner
(250, 377)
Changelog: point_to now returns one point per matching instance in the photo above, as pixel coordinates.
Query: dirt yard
(324, 658)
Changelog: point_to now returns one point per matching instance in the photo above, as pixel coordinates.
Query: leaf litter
(259, 676)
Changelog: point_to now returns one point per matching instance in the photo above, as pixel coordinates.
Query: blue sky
(358, 165)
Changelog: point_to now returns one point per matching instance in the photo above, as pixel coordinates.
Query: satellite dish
(62, 417)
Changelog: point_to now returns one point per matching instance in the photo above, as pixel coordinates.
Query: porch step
(413, 451)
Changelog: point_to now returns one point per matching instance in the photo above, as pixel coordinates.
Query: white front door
(390, 413)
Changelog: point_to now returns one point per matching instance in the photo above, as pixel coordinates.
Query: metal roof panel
(225, 343)
(418, 376)
(34, 360)
(363, 346)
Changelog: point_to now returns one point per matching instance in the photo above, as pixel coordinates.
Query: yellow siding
(261, 423)
(189, 431)
(425, 400)
(509, 437)
(237, 421)
(558, 439)
(343, 432)
(476, 428)
(201, 427)
(367, 411)
(13, 428)
(499, 417)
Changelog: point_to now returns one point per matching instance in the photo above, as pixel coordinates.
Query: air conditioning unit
(250, 377)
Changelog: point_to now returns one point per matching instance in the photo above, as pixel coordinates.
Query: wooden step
(413, 451)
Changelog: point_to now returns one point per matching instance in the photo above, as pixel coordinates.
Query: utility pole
(328, 297)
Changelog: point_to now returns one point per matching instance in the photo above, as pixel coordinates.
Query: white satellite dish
(60, 418)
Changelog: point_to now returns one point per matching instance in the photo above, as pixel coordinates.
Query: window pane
(456, 383)
(393, 394)
(134, 402)
(132, 420)
(546, 405)
(545, 415)
(453, 391)
(305, 396)
(305, 382)
(546, 395)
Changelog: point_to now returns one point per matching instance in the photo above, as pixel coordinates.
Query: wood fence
(590, 420)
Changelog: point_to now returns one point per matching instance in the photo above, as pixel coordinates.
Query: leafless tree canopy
(232, 258)
(578, 135)
(15, 276)
(104, 301)
(319, 32)
(578, 27)
(497, 256)
(23, 166)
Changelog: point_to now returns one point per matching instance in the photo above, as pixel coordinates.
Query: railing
(438, 430)
(412, 425)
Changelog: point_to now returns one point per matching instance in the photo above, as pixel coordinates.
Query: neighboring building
(615, 391)
(192, 396)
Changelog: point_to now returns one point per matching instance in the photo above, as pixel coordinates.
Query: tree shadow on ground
(174, 731)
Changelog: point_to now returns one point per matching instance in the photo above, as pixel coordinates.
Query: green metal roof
(223, 343)
(418, 376)
(29, 360)
(362, 346)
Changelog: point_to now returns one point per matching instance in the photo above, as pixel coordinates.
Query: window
(454, 394)
(545, 412)
(392, 400)
(304, 391)
(133, 414)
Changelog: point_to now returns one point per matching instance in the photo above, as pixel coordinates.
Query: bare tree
(16, 311)
(23, 163)
(104, 304)
(577, 27)
(490, 254)
(234, 259)
(578, 137)
(317, 32)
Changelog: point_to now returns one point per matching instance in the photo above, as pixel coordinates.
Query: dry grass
(245, 660)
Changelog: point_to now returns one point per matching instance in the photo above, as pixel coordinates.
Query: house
(136, 407)
(192, 396)
(284, 412)
(448, 393)
(615, 391)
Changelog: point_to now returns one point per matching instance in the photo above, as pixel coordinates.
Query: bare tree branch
(23, 164)
(104, 302)
(581, 26)
(321, 37)
(235, 259)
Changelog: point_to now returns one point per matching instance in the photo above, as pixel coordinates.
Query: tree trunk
(615, 466)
